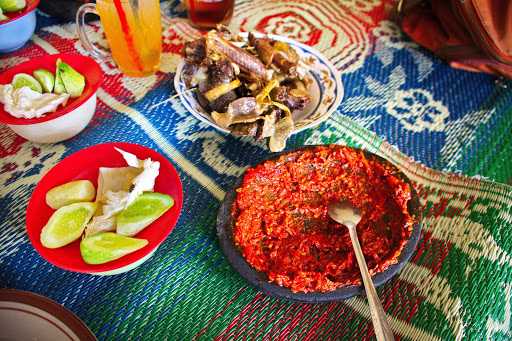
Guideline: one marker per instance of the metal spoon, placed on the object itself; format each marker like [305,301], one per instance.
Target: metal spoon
[345,214]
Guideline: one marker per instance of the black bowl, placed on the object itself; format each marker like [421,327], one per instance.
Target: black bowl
[259,280]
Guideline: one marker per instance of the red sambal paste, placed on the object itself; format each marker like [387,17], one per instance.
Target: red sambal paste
[282,227]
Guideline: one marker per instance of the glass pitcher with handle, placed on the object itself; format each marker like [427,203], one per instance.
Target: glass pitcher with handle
[133,30]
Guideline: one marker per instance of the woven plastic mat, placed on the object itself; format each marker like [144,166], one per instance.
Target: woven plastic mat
[458,283]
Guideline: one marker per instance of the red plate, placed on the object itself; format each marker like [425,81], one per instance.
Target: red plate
[85,65]
[84,164]
[31,6]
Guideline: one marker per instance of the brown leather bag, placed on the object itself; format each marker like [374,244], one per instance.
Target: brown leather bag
[474,35]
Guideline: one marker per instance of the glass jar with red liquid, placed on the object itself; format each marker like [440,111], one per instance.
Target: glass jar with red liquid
[210,13]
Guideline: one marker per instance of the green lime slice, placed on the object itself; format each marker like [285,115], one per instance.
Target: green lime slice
[70,193]
[108,246]
[12,5]
[67,224]
[59,85]
[73,81]
[46,78]
[143,211]
[23,79]
[2,16]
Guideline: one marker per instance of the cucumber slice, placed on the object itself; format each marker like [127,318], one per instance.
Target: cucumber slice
[12,5]
[23,79]
[67,224]
[59,85]
[46,78]
[108,246]
[73,81]
[143,211]
[2,16]
[70,193]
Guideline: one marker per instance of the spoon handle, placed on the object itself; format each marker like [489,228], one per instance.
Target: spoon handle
[380,324]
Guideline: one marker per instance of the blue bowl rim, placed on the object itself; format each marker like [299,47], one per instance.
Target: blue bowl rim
[26,11]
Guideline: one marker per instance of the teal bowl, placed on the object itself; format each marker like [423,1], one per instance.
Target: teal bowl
[17,30]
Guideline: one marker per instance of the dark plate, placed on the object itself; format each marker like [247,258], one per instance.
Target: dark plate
[29,316]
[259,280]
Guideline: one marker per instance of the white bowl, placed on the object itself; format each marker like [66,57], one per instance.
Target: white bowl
[60,128]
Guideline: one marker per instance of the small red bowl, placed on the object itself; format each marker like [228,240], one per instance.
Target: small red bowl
[67,121]
[84,164]
[85,65]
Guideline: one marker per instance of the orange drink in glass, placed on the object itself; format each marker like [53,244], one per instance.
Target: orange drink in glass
[133,30]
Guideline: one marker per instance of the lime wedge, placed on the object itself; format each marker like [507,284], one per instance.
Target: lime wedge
[67,224]
[73,81]
[70,193]
[143,211]
[46,78]
[2,16]
[12,5]
[108,246]
[23,79]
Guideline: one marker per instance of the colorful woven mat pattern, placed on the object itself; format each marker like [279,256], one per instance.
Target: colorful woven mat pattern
[459,282]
